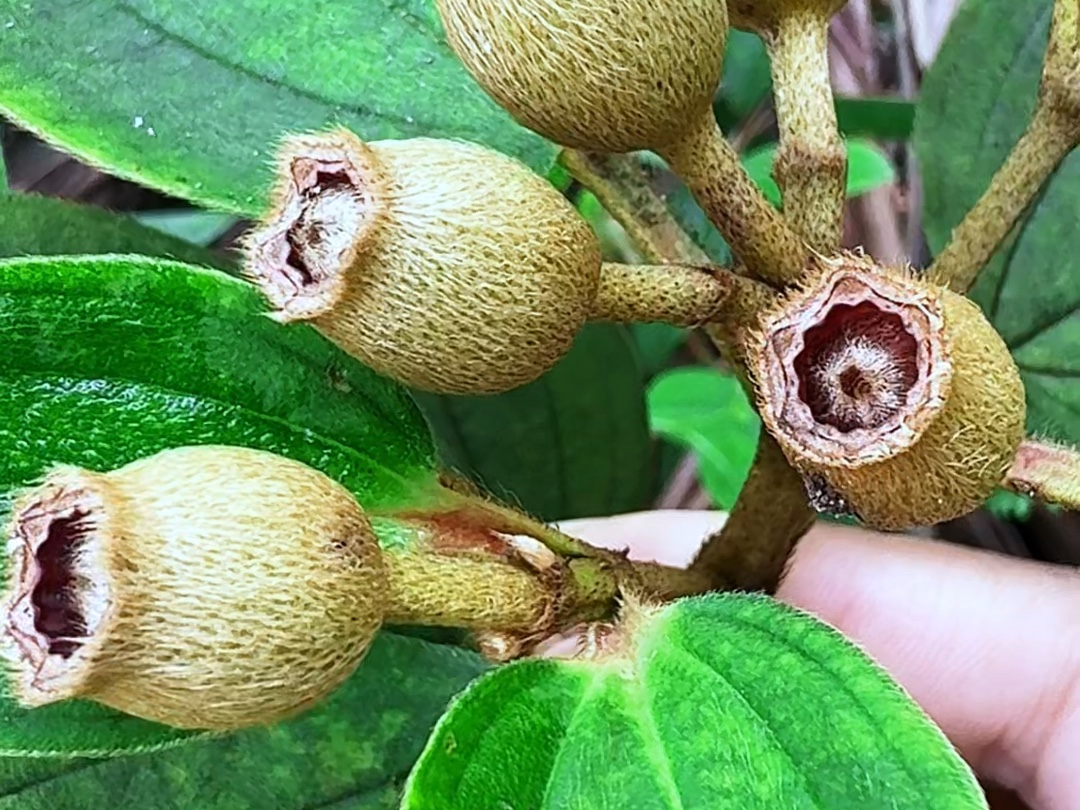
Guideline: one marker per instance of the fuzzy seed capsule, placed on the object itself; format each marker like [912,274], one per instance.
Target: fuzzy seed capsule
[443,264]
[204,587]
[764,15]
[895,398]
[603,75]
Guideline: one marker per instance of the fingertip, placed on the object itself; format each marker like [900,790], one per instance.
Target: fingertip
[986,644]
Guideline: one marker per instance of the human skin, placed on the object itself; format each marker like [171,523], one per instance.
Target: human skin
[988,645]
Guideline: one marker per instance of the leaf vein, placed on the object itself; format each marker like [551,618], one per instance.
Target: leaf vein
[405,122]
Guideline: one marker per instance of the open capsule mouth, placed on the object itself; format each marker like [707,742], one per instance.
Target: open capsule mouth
[323,219]
[857,366]
[58,617]
[55,602]
[855,369]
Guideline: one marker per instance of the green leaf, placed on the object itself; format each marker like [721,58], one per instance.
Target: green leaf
[707,411]
[190,224]
[575,443]
[159,354]
[868,169]
[886,119]
[1007,505]
[727,701]
[34,225]
[976,102]
[656,342]
[109,359]
[191,96]
[746,80]
[352,751]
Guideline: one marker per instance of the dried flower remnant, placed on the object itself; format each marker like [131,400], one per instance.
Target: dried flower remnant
[897,394]
[204,587]
[443,264]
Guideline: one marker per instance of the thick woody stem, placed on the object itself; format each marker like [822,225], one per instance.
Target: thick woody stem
[769,517]
[1049,138]
[757,234]
[681,295]
[1048,472]
[811,164]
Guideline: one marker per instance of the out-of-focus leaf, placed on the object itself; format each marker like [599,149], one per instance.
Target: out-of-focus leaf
[191,225]
[707,412]
[883,119]
[746,80]
[40,226]
[574,443]
[656,343]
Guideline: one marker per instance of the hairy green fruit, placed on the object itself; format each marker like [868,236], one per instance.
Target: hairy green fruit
[895,398]
[603,75]
[204,587]
[443,264]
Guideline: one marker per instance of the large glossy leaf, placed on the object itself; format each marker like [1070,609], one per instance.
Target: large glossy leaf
[353,751]
[976,102]
[190,96]
[109,359]
[575,443]
[728,701]
[157,354]
[33,225]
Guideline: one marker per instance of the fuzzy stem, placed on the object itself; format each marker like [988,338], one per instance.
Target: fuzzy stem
[757,234]
[428,588]
[680,295]
[1048,472]
[468,591]
[621,184]
[769,518]
[478,513]
[772,512]
[1060,86]
[1049,138]
[811,164]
